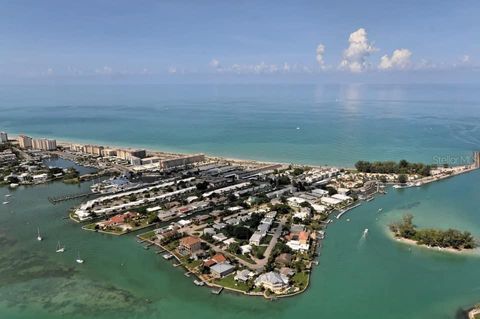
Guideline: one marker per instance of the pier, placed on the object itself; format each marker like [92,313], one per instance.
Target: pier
[58,199]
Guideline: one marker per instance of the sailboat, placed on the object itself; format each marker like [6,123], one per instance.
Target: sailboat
[79,260]
[60,249]
[39,238]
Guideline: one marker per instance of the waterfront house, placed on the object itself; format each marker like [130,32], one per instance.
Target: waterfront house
[221,270]
[243,275]
[273,281]
[216,259]
[189,245]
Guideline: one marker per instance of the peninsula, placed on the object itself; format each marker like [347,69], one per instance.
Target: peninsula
[246,226]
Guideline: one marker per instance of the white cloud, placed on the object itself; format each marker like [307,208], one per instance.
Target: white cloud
[466,59]
[320,52]
[359,49]
[215,64]
[399,60]
[172,70]
[106,70]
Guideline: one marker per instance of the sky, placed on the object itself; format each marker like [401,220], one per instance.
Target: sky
[201,41]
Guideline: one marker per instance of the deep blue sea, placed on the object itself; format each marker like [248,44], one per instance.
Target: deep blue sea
[312,124]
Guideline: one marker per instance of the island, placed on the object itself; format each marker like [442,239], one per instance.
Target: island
[449,239]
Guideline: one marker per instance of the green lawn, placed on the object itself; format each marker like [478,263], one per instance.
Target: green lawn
[229,282]
[90,226]
[148,235]
[300,279]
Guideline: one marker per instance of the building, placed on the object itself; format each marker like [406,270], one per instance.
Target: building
[256,238]
[476,157]
[221,270]
[273,281]
[3,137]
[189,245]
[126,154]
[25,141]
[182,161]
[44,144]
[93,149]
[7,156]
[109,152]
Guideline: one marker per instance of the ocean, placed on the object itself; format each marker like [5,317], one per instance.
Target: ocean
[324,124]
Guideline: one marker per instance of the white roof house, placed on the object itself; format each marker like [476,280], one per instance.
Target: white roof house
[256,238]
[273,281]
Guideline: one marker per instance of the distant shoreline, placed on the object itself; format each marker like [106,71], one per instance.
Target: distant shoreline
[62,142]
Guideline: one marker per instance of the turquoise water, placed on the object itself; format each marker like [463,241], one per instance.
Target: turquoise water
[336,124]
[373,278]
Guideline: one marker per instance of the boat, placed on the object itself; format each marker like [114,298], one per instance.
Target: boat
[13,185]
[380,209]
[8,195]
[5,203]
[167,256]
[79,260]
[60,249]
[365,232]
[39,238]
[418,184]
[198,282]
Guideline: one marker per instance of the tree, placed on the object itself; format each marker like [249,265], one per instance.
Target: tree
[402,178]
[234,248]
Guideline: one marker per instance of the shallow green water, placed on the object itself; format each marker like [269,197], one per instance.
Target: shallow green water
[357,278]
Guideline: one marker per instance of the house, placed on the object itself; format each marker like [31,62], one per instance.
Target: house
[221,270]
[217,259]
[209,231]
[117,220]
[284,259]
[256,238]
[189,245]
[295,201]
[243,275]
[246,249]
[299,241]
[166,235]
[273,281]
[219,237]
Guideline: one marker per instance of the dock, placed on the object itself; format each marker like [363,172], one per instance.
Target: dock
[346,210]
[217,291]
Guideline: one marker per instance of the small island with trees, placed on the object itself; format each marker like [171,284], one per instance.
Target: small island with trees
[450,239]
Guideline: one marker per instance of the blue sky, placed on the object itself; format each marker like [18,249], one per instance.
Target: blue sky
[228,40]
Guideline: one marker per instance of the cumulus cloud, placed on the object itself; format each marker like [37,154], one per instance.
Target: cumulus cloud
[399,60]
[359,49]
[320,52]
[215,64]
